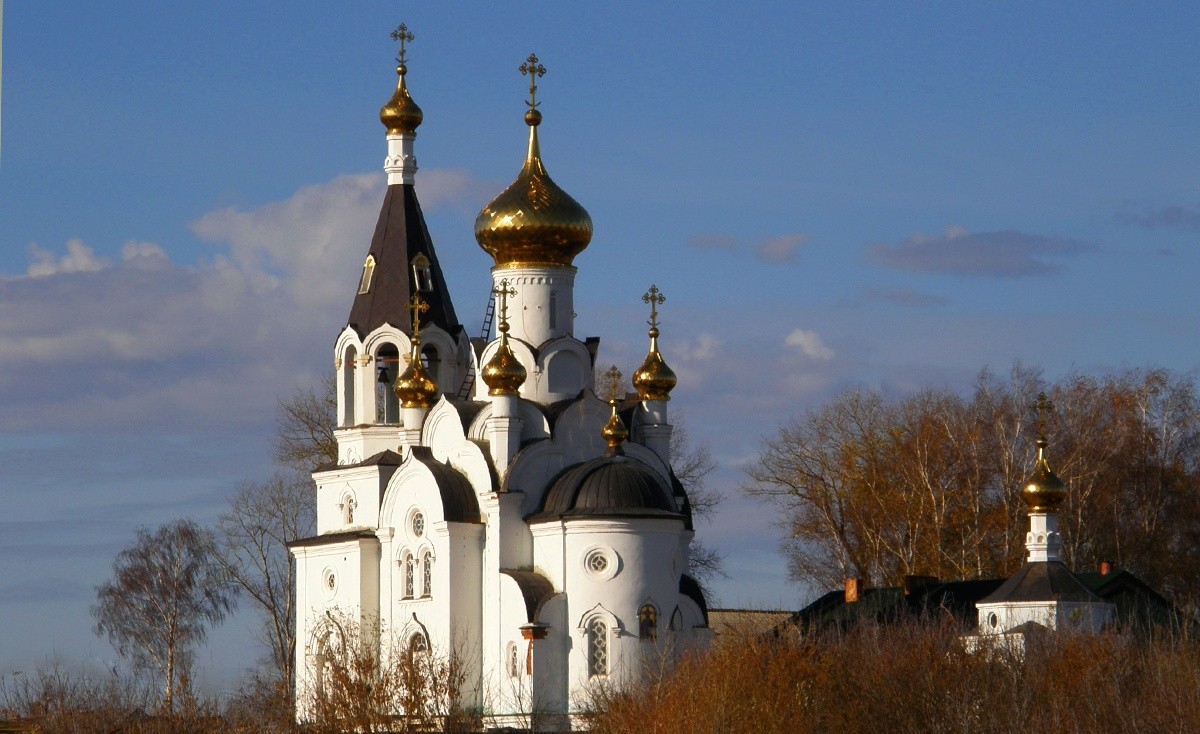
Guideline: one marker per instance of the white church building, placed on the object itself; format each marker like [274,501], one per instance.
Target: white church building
[485,501]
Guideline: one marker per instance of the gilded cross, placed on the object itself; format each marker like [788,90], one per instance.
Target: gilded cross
[612,377]
[503,292]
[1043,406]
[533,70]
[418,306]
[403,35]
[655,299]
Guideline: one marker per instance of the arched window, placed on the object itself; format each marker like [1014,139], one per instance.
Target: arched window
[597,648]
[426,574]
[410,573]
[514,661]
[347,506]
[648,623]
[348,364]
[417,644]
[387,405]
[676,620]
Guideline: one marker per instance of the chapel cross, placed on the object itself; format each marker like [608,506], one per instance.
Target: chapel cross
[1043,406]
[403,35]
[655,299]
[533,70]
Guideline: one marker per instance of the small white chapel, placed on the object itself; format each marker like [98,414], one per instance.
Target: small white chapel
[486,501]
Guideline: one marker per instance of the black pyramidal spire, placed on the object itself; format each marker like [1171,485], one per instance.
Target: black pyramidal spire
[400,239]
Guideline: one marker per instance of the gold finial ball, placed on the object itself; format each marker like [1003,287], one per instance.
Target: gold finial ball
[504,374]
[1044,492]
[414,388]
[401,115]
[533,118]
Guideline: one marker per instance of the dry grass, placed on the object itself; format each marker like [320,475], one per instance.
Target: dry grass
[919,678]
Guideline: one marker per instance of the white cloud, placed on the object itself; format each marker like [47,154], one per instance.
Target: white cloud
[810,344]
[79,258]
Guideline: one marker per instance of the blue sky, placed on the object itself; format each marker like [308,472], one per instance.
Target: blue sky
[888,195]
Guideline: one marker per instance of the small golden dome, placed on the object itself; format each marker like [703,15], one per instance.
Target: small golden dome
[415,388]
[401,115]
[504,374]
[533,221]
[614,432]
[654,380]
[1044,492]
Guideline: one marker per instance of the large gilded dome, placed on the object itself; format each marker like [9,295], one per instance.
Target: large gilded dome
[533,222]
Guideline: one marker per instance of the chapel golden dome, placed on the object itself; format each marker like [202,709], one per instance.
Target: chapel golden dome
[414,387]
[1044,492]
[614,433]
[401,115]
[533,222]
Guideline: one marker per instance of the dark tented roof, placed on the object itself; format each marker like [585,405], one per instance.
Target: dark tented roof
[458,498]
[535,588]
[399,236]
[1042,581]
[613,486]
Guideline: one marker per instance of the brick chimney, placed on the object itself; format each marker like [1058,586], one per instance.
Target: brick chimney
[1107,567]
[854,589]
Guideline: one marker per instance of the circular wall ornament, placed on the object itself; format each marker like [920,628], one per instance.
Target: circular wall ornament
[418,524]
[328,582]
[600,563]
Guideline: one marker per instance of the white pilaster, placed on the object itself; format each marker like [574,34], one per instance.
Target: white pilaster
[1043,542]
[504,432]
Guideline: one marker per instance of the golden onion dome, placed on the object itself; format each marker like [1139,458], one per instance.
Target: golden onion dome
[533,221]
[504,374]
[401,115]
[415,388]
[614,432]
[1044,492]
[654,380]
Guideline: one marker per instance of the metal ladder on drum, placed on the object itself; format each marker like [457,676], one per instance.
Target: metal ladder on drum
[464,391]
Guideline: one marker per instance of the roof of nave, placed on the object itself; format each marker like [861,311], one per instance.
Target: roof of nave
[535,589]
[400,236]
[610,486]
[331,538]
[383,458]
[1042,581]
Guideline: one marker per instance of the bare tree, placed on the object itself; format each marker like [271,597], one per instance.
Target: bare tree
[167,588]
[304,436]
[261,519]
[692,466]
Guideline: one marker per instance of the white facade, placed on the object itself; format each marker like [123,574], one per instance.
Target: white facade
[499,528]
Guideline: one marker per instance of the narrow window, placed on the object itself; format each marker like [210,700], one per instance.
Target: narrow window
[676,621]
[348,364]
[347,506]
[514,663]
[427,574]
[409,575]
[417,644]
[648,623]
[553,310]
[597,638]
[368,274]
[431,361]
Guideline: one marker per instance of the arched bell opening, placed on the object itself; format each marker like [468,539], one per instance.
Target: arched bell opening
[348,376]
[432,361]
[388,368]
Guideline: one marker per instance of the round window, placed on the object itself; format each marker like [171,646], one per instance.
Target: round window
[993,620]
[418,524]
[597,562]
[600,563]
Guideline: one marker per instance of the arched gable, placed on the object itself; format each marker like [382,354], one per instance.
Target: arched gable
[446,436]
[534,425]
[443,493]
[575,438]
[524,353]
